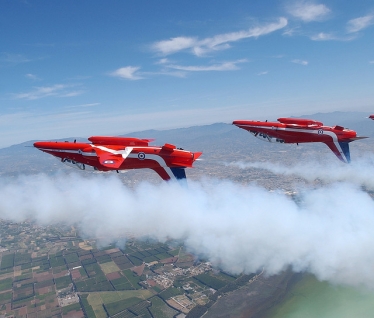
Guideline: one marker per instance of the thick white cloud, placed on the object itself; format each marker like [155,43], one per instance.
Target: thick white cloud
[217,42]
[358,24]
[239,228]
[308,11]
[359,172]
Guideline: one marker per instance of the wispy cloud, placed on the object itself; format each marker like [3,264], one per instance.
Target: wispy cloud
[167,72]
[331,37]
[218,42]
[371,62]
[11,58]
[5,119]
[358,24]
[291,31]
[163,61]
[83,105]
[58,90]
[262,73]
[323,37]
[32,77]
[225,66]
[127,72]
[71,93]
[301,62]
[308,11]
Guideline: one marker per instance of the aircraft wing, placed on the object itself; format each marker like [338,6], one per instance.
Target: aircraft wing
[340,149]
[109,160]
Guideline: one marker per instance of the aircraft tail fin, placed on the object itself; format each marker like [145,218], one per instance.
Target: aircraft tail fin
[345,148]
[167,173]
[196,155]
[179,173]
[341,150]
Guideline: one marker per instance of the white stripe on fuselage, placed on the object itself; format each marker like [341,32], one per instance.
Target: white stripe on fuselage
[308,131]
[124,152]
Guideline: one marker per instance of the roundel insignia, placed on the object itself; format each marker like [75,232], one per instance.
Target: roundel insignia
[320,131]
[141,155]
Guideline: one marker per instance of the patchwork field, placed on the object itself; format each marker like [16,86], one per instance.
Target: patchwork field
[62,277]
[109,267]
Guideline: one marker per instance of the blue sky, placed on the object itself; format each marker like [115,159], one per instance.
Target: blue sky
[81,68]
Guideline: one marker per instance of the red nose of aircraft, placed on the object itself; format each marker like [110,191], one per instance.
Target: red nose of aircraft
[41,144]
[55,145]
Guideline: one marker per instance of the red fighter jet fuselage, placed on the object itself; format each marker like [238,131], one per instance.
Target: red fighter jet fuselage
[300,130]
[122,153]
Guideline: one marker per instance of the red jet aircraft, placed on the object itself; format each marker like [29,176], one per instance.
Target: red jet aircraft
[122,153]
[371,117]
[298,130]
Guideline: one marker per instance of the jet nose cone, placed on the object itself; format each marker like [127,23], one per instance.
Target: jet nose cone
[239,123]
[39,144]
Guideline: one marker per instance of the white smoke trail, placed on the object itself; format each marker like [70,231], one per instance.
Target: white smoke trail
[359,172]
[239,228]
